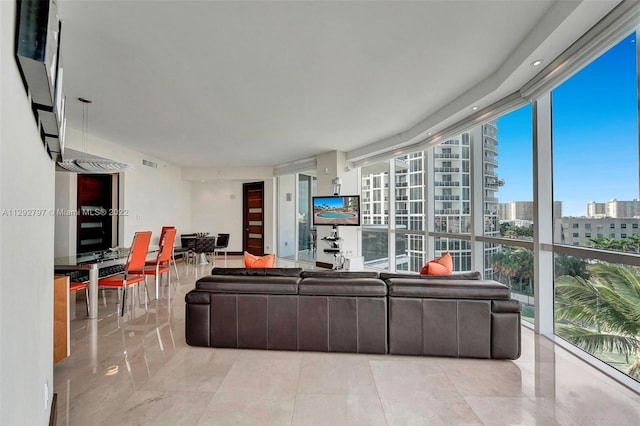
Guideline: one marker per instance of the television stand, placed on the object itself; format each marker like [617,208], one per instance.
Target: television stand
[332,250]
[334,242]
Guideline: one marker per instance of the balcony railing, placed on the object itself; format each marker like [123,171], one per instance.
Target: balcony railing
[401,184]
[446,197]
[447,211]
[491,147]
[446,155]
[491,199]
[446,183]
[490,160]
[447,169]
[451,142]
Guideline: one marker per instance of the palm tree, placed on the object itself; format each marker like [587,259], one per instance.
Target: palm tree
[606,243]
[603,311]
[524,259]
[570,265]
[632,244]
[513,264]
[505,264]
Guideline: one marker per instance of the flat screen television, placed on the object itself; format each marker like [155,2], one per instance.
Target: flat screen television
[334,210]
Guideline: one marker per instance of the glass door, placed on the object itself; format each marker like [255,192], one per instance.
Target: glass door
[307,187]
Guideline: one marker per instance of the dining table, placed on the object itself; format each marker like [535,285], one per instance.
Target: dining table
[90,266]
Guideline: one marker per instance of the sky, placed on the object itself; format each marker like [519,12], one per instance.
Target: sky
[595,136]
[332,202]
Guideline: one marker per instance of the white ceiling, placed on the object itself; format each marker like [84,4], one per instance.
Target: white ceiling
[209,83]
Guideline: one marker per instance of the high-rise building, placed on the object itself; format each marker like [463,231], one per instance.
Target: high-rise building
[409,173]
[579,231]
[451,186]
[519,211]
[614,209]
[452,198]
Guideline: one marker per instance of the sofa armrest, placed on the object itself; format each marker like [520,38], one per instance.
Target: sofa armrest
[197,318]
[506,306]
[505,329]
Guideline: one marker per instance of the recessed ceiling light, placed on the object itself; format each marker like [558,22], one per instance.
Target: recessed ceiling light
[202,181]
[536,62]
[475,108]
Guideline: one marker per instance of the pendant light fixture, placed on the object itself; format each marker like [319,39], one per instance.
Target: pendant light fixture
[91,165]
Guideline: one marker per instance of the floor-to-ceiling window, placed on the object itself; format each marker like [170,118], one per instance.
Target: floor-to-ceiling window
[450,172]
[375,215]
[508,208]
[307,242]
[544,197]
[409,212]
[597,237]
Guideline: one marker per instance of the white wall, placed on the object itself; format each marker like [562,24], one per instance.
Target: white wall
[217,208]
[287,212]
[269,215]
[151,197]
[66,199]
[26,249]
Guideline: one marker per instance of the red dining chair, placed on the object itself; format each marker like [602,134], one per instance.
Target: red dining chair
[160,265]
[81,286]
[172,260]
[135,260]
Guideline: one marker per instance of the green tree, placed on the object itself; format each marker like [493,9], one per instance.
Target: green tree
[508,230]
[606,243]
[570,265]
[603,311]
[524,275]
[632,244]
[504,264]
[514,265]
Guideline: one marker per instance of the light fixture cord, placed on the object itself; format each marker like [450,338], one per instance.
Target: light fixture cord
[85,129]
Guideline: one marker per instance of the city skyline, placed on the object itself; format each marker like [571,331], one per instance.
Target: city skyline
[595,136]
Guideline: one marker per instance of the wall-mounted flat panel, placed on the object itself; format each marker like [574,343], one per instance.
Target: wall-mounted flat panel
[37,48]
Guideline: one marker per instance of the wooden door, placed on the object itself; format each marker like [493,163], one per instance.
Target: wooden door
[253,214]
[94,213]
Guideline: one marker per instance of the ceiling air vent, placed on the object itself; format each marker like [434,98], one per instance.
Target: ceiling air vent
[149,164]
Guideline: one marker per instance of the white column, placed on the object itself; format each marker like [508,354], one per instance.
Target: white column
[543,215]
[477,197]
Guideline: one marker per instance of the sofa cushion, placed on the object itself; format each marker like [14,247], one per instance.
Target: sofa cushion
[461,276]
[255,284]
[442,265]
[447,289]
[253,261]
[338,274]
[258,272]
[323,286]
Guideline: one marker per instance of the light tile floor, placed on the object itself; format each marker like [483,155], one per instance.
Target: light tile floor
[138,370]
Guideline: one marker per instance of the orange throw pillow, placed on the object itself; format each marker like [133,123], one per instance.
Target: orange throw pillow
[439,266]
[253,261]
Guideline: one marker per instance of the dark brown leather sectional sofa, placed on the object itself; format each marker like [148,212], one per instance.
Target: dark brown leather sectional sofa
[361,312]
